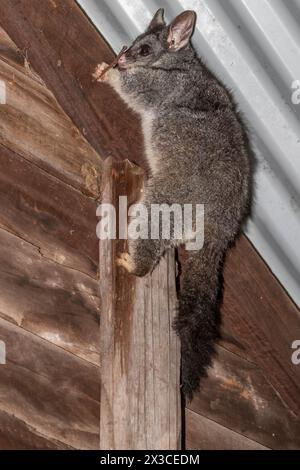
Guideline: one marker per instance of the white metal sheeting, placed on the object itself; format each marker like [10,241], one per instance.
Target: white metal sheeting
[254,47]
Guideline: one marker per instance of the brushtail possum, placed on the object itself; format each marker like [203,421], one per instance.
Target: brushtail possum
[198,153]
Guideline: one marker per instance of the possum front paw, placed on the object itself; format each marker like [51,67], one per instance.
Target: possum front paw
[100,75]
[126,261]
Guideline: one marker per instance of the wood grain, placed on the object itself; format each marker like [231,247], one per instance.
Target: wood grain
[15,434]
[33,125]
[254,391]
[49,302]
[9,51]
[204,434]
[47,213]
[140,399]
[264,319]
[40,206]
[59,304]
[237,395]
[47,392]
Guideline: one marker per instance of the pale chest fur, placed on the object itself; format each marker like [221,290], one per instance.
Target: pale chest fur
[147,128]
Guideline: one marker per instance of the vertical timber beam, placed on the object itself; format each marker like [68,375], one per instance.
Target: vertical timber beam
[140,353]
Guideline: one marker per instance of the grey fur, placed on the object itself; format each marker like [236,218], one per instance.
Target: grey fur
[198,153]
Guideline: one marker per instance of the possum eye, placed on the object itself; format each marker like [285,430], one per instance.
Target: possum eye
[145,50]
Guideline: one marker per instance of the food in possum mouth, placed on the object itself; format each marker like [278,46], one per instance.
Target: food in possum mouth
[100,71]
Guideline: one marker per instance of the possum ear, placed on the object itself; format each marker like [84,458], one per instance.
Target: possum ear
[157,20]
[181,30]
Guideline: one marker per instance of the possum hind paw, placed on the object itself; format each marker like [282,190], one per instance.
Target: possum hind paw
[126,262]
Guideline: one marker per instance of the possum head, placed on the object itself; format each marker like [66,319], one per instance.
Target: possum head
[147,67]
[159,40]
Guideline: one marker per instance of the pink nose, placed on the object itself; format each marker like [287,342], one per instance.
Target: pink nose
[122,60]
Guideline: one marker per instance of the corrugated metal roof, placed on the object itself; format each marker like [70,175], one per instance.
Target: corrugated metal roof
[254,47]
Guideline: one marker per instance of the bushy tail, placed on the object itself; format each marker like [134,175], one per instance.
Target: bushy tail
[197,323]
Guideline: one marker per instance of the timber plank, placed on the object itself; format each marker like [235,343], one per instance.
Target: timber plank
[263,318]
[53,392]
[140,353]
[57,219]
[33,125]
[54,302]
[9,51]
[204,434]
[236,395]
[17,435]
[66,63]
[230,342]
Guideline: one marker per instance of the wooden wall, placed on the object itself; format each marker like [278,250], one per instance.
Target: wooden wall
[251,396]
[49,300]
[49,311]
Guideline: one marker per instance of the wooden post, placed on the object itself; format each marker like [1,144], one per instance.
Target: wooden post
[140,354]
